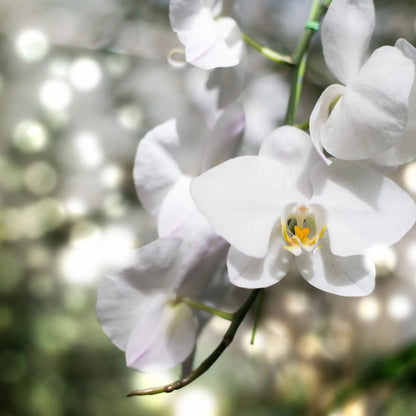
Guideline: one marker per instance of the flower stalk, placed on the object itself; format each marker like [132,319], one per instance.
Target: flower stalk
[267,52]
[238,317]
[194,304]
[300,57]
[257,313]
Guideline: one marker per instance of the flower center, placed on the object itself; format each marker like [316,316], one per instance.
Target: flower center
[302,227]
[302,234]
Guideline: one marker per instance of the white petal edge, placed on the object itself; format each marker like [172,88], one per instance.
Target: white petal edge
[164,154]
[364,207]
[320,114]
[251,273]
[242,199]
[213,44]
[228,82]
[177,208]
[407,48]
[201,250]
[346,32]
[225,138]
[293,148]
[344,276]
[162,339]
[404,150]
[371,115]
[121,294]
[182,14]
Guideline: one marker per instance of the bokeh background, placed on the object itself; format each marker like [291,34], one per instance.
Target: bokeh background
[81,81]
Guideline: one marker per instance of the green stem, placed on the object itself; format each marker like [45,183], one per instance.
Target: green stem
[317,10]
[295,90]
[256,316]
[238,317]
[303,126]
[267,52]
[300,56]
[194,304]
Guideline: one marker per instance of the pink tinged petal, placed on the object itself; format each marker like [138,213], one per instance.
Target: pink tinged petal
[404,150]
[364,207]
[344,276]
[346,32]
[218,286]
[177,208]
[162,338]
[242,199]
[202,250]
[164,155]
[320,115]
[214,43]
[250,272]
[203,258]
[225,138]
[371,115]
[293,148]
[122,294]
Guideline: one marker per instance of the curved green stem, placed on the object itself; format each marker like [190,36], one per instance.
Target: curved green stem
[238,317]
[194,304]
[256,316]
[317,10]
[267,52]
[295,90]
[300,56]
[303,126]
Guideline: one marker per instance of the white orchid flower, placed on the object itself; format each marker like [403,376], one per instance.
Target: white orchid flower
[174,152]
[287,204]
[210,41]
[366,115]
[139,307]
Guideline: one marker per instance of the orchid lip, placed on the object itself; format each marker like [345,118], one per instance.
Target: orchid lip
[302,227]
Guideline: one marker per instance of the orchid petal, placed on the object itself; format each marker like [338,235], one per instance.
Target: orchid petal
[177,208]
[216,6]
[225,137]
[344,276]
[210,42]
[402,152]
[203,258]
[214,44]
[228,82]
[202,250]
[346,32]
[320,114]
[164,154]
[407,48]
[364,207]
[250,272]
[293,148]
[162,338]
[242,199]
[122,293]
[405,150]
[182,14]
[370,116]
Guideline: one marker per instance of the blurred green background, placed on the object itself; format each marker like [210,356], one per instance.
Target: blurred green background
[81,81]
